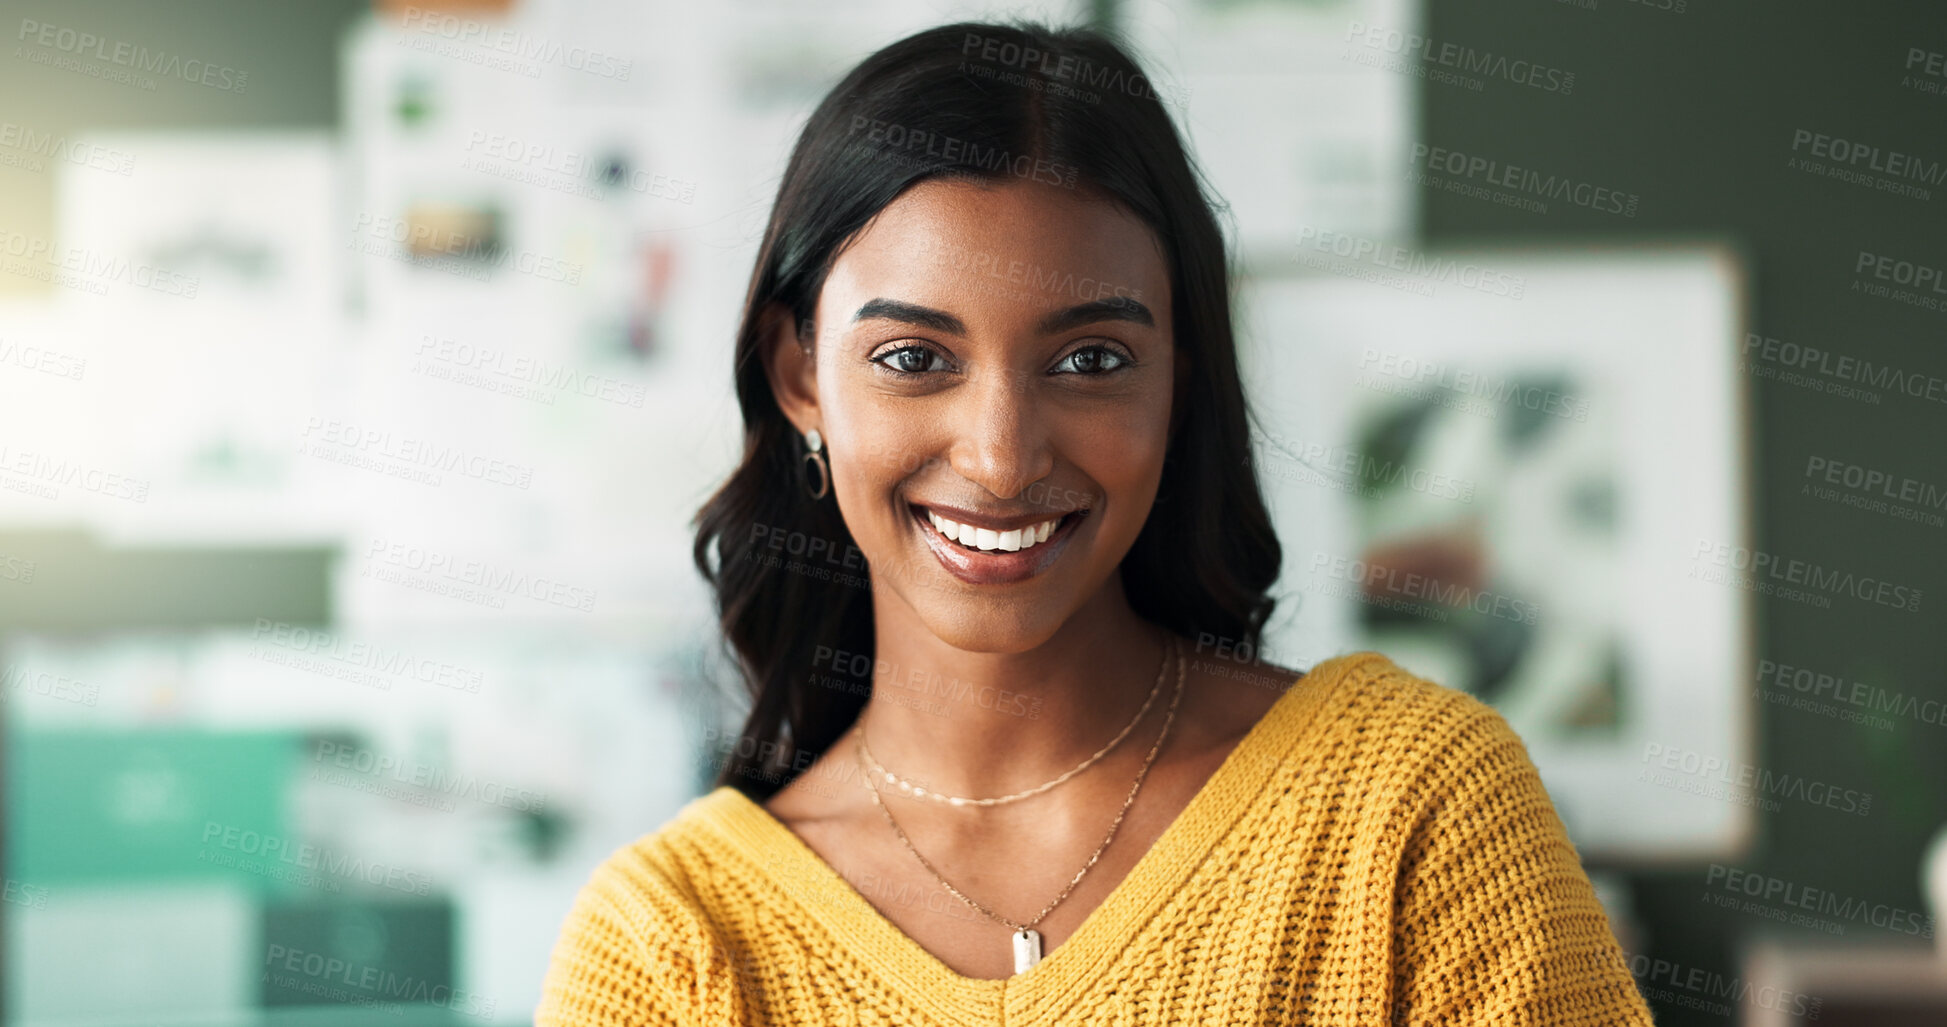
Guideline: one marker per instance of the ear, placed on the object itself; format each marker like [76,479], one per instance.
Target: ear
[790,368]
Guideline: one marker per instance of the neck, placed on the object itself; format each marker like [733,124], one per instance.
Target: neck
[990,723]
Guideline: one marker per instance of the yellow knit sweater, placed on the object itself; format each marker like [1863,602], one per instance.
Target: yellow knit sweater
[1377,850]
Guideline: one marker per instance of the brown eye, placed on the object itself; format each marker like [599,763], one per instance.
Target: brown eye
[907,360]
[1093,360]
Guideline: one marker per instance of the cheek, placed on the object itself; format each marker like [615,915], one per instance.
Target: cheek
[874,443]
[1130,436]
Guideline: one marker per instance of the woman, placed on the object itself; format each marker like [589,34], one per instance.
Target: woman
[987,564]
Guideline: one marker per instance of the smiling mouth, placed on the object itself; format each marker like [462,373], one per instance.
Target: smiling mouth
[986,540]
[984,557]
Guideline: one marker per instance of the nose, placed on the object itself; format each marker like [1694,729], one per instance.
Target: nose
[1000,437]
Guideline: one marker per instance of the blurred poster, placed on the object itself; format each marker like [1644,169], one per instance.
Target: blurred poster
[1289,116]
[1496,466]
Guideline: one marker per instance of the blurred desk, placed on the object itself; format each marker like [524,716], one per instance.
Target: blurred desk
[1881,984]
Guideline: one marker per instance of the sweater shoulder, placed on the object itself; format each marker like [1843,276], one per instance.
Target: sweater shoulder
[1381,713]
[638,946]
[647,886]
[1373,692]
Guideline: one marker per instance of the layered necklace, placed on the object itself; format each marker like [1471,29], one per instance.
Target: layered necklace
[1027,940]
[919,792]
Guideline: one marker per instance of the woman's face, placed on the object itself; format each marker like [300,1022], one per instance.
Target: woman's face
[1000,356]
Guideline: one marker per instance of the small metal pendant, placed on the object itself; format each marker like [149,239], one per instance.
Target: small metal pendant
[1027,949]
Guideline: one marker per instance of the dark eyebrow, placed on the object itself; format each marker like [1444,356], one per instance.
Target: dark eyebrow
[1114,308]
[910,313]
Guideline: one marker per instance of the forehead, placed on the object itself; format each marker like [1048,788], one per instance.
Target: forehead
[999,250]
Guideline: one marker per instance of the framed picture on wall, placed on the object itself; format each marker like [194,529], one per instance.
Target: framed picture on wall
[1512,470]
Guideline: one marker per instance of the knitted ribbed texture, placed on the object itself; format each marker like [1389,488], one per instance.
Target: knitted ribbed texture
[1377,850]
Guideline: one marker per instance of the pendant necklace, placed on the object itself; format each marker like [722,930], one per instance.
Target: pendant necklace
[1027,940]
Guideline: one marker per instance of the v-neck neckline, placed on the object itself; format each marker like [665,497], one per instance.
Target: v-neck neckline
[796,869]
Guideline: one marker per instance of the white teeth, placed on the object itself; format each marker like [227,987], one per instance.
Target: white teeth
[987,539]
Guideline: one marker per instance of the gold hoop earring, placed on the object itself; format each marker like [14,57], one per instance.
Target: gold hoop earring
[815,442]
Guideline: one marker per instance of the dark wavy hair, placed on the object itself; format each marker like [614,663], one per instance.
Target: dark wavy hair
[971,100]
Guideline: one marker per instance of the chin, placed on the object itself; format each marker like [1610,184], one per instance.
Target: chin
[976,626]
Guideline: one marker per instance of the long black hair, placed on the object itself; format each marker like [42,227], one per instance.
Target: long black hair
[980,101]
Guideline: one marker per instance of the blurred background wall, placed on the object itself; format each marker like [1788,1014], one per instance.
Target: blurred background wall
[357,381]
[1700,109]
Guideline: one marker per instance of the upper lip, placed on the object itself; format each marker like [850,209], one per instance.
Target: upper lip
[994,522]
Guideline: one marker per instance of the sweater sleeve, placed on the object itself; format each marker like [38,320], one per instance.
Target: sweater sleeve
[619,961]
[1495,922]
